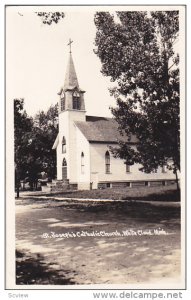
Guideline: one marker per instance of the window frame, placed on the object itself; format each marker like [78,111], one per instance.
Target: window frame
[63,145]
[164,169]
[82,163]
[64,162]
[128,168]
[107,162]
[76,103]
[62,101]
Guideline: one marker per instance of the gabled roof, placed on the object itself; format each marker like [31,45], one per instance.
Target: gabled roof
[56,142]
[102,130]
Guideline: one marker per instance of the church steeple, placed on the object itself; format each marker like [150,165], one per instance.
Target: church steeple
[71,96]
[71,80]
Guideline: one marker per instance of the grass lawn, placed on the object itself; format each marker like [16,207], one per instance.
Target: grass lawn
[158,193]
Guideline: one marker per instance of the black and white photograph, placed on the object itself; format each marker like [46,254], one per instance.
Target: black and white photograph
[95,147]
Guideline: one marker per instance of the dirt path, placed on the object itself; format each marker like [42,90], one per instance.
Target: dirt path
[101,243]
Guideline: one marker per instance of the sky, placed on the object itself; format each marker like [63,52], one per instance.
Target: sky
[37,55]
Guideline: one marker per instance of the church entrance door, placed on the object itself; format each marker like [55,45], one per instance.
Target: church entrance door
[64,169]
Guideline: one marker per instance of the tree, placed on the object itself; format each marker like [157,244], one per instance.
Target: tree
[33,144]
[137,52]
[22,135]
[45,131]
[49,17]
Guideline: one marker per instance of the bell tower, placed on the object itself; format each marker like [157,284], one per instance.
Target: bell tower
[71,96]
[71,109]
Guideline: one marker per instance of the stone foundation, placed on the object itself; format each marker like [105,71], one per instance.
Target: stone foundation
[60,185]
[104,185]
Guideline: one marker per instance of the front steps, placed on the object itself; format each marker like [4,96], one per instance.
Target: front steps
[56,185]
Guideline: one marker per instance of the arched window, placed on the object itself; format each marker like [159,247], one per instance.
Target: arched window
[76,100]
[64,163]
[82,163]
[63,145]
[107,162]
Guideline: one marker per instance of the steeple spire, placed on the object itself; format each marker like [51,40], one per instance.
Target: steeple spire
[71,80]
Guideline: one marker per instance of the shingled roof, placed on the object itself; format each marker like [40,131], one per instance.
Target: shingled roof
[100,129]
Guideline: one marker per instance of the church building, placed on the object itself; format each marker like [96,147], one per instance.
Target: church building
[84,160]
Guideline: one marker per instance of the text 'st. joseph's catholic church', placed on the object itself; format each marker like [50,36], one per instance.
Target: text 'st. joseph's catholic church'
[83,143]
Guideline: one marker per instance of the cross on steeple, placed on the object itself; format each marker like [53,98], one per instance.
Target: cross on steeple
[69,44]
